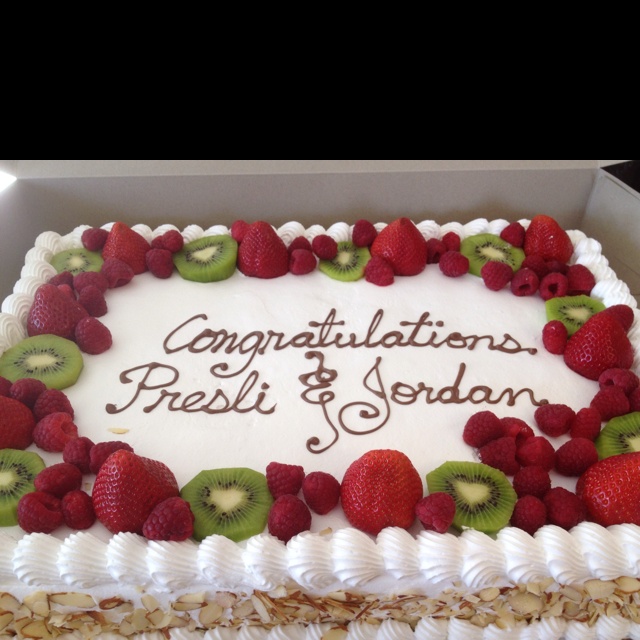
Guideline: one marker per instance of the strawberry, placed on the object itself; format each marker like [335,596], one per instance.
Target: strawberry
[546,238]
[262,253]
[600,344]
[54,312]
[402,244]
[128,487]
[381,489]
[610,489]
[16,424]
[127,245]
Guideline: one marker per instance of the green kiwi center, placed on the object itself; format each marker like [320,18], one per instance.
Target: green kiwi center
[226,500]
[203,255]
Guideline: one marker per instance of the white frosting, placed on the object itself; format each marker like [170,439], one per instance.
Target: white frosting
[347,558]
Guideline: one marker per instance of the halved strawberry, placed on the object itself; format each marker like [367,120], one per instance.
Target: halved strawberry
[545,237]
[127,245]
[403,246]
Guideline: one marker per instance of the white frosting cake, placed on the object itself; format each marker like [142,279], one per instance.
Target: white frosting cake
[236,373]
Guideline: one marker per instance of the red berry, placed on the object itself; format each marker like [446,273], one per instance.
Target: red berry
[364,233]
[436,511]
[379,272]
[622,313]
[536,451]
[238,230]
[76,452]
[117,272]
[92,336]
[102,450]
[435,250]
[93,239]
[58,479]
[482,427]
[451,241]
[545,237]
[554,337]
[496,275]
[564,508]
[62,278]
[171,240]
[525,282]
[5,385]
[623,378]
[77,510]
[301,262]
[554,419]
[171,519]
[90,278]
[516,428]
[93,301]
[575,456]
[513,234]
[160,262]
[532,481]
[536,263]
[586,424]
[284,478]
[321,491]
[500,454]
[299,242]
[634,400]
[558,266]
[16,424]
[27,390]
[52,432]
[553,285]
[325,247]
[529,514]
[39,512]
[402,244]
[52,401]
[288,517]
[127,245]
[611,402]
[581,280]
[262,253]
[453,264]
[52,311]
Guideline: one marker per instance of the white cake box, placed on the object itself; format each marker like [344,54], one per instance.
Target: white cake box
[60,194]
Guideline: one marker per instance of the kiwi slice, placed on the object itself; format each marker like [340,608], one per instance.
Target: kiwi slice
[349,263]
[54,360]
[76,261]
[486,247]
[484,496]
[207,259]
[17,472]
[572,311]
[231,502]
[619,435]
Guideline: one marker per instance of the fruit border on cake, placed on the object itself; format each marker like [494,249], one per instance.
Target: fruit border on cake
[69,292]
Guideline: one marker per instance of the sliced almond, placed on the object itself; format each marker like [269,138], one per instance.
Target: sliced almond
[600,589]
[6,618]
[209,614]
[38,603]
[628,585]
[73,599]
[489,594]
[525,603]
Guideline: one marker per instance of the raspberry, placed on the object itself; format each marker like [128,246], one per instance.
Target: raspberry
[159,262]
[436,511]
[581,280]
[58,479]
[532,481]
[52,401]
[93,300]
[27,390]
[529,514]
[117,272]
[435,250]
[325,247]
[284,478]
[64,277]
[92,336]
[564,508]
[623,313]
[451,241]
[39,512]
[575,456]
[90,278]
[586,424]
[321,491]
[238,229]
[299,242]
[482,427]
[554,419]
[171,240]
[76,452]
[516,428]
[611,402]
[554,337]
[557,266]
[288,517]
[623,378]
[93,239]
[363,234]
[54,431]
[77,510]
[514,234]
[536,451]
[500,454]
[68,291]
[496,275]
[379,271]
[453,264]
[525,282]
[301,262]
[536,263]
[634,400]
[5,385]
[554,285]
[102,450]
[170,519]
